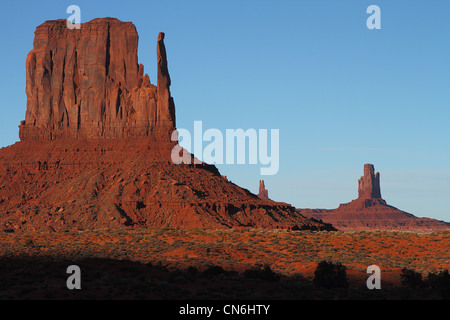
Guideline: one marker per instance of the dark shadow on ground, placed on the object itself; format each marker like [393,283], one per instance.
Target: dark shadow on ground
[107,279]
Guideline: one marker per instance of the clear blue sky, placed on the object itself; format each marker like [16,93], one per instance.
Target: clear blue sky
[340,94]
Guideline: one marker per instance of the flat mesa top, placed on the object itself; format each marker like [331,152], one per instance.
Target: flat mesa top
[96,20]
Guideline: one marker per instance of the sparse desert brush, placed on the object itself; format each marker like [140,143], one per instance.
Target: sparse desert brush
[28,243]
[440,282]
[426,253]
[411,278]
[261,271]
[330,275]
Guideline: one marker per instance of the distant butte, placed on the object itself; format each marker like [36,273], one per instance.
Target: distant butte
[263,193]
[95,149]
[369,184]
[370,212]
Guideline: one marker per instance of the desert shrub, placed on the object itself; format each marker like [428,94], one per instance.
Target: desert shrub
[177,276]
[29,242]
[214,271]
[261,272]
[411,278]
[440,283]
[192,270]
[330,275]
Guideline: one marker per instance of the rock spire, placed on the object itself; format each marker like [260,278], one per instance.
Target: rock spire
[369,184]
[263,192]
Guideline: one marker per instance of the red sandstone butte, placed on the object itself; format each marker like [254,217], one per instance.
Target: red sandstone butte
[370,212]
[88,83]
[95,149]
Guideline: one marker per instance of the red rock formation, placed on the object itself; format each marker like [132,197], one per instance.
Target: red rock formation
[95,149]
[88,83]
[116,183]
[371,212]
[369,184]
[166,109]
[263,192]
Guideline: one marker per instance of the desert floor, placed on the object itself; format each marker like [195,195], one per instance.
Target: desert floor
[164,263]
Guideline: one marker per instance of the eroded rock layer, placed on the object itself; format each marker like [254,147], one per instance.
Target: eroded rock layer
[115,183]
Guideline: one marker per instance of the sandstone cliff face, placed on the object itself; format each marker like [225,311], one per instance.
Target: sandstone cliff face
[88,83]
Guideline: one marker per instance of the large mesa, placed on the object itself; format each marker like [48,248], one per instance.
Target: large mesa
[87,83]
